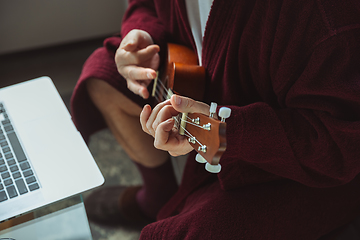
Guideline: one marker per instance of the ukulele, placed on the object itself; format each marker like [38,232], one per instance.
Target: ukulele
[206,134]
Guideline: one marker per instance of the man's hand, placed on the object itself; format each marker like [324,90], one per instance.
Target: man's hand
[160,124]
[137,60]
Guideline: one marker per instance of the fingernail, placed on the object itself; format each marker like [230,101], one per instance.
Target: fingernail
[177,100]
[149,75]
[146,107]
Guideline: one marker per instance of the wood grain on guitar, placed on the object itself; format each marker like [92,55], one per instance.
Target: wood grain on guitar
[182,75]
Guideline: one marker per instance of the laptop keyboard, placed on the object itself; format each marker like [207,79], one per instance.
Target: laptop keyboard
[17,177]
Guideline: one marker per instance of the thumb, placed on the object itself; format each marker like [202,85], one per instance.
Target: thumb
[136,40]
[130,46]
[184,104]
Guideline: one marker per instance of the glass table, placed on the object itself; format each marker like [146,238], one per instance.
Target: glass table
[64,220]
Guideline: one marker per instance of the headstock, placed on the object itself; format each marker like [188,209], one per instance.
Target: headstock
[207,135]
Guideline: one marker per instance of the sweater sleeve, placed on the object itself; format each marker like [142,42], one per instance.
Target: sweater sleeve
[142,14]
[314,137]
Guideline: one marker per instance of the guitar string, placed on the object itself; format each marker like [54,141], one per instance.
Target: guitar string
[157,91]
[176,118]
[165,92]
[165,96]
[168,91]
[196,125]
[190,122]
[158,94]
[189,134]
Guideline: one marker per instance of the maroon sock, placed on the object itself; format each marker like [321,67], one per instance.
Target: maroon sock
[159,184]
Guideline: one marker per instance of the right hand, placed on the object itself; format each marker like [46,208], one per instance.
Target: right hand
[137,60]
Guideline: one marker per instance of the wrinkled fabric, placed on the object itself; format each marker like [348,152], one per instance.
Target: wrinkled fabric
[290,72]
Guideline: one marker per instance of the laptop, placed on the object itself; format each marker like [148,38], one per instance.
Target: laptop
[43,157]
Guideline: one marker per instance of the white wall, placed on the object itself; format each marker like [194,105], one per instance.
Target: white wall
[28,24]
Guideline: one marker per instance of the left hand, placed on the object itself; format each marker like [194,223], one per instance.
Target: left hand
[160,124]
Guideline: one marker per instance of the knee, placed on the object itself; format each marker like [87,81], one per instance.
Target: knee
[101,93]
[109,100]
[97,89]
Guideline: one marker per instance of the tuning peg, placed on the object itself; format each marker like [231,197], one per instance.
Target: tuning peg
[213,168]
[213,107]
[224,113]
[200,159]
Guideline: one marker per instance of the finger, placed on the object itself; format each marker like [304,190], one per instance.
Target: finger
[169,140]
[184,104]
[144,116]
[132,47]
[162,135]
[133,72]
[138,57]
[136,39]
[129,46]
[141,55]
[139,88]
[154,115]
[164,113]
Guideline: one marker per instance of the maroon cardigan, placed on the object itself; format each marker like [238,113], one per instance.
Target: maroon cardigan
[290,72]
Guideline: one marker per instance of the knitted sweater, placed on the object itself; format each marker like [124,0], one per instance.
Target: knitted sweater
[290,72]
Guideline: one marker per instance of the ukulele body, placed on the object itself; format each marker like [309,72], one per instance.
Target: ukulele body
[182,74]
